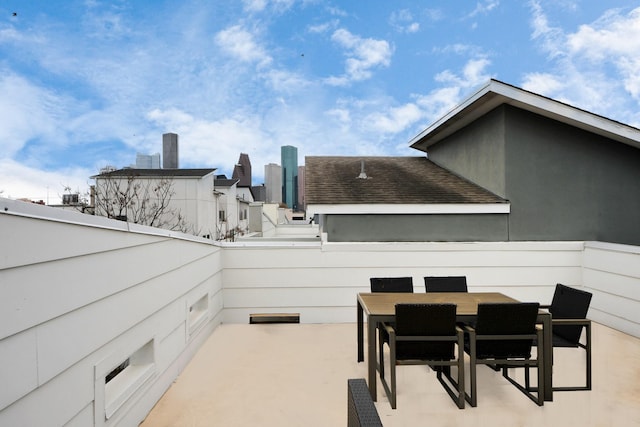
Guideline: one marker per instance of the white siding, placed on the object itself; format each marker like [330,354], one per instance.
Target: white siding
[74,296]
[80,294]
[612,274]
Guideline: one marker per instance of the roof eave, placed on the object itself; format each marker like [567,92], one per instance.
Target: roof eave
[409,209]
[496,93]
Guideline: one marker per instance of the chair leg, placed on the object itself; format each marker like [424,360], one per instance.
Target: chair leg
[381,351]
[472,399]
[461,396]
[588,350]
[390,390]
[392,400]
[540,368]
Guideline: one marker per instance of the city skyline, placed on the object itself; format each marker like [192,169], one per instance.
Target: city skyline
[90,84]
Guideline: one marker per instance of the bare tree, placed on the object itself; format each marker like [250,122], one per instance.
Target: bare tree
[141,201]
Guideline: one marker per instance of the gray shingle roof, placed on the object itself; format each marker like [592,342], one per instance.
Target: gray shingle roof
[157,172]
[390,180]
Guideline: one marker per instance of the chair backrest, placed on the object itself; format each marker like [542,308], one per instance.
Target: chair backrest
[445,283]
[505,319]
[391,284]
[361,411]
[425,320]
[569,303]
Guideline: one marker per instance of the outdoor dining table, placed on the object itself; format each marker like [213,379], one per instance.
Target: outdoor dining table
[380,307]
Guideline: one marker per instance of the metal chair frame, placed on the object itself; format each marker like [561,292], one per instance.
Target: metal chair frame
[442,367]
[496,361]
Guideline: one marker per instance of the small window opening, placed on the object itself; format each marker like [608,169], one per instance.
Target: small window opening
[121,367]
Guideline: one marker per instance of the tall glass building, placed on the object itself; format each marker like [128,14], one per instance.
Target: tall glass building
[289,162]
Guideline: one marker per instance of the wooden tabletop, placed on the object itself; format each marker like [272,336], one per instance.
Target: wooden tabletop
[383,304]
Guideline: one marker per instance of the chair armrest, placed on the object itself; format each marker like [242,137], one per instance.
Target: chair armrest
[389,328]
[574,322]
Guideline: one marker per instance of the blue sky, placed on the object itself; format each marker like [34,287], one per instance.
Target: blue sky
[85,84]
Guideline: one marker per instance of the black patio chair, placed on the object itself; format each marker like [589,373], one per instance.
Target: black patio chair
[361,411]
[569,309]
[502,338]
[445,284]
[389,284]
[426,334]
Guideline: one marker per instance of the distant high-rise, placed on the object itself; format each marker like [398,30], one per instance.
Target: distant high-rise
[147,161]
[301,205]
[273,183]
[242,171]
[289,161]
[170,151]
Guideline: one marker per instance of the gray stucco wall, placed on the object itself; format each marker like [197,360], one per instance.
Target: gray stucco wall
[568,184]
[477,152]
[563,183]
[416,228]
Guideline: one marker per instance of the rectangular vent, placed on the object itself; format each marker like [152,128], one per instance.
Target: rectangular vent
[274,318]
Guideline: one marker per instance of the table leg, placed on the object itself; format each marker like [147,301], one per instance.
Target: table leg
[547,337]
[360,332]
[371,356]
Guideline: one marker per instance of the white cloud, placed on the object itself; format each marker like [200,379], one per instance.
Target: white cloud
[403,21]
[363,54]
[593,68]
[27,112]
[613,39]
[473,74]
[395,119]
[18,181]
[241,44]
[551,38]
[322,28]
[484,7]
[261,5]
[542,83]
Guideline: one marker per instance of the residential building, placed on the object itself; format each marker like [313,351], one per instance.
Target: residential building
[399,199]
[232,206]
[557,172]
[289,161]
[177,199]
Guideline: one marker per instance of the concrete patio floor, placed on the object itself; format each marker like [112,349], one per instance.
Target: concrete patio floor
[296,375]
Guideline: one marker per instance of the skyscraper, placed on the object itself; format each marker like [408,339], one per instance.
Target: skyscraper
[273,183]
[148,161]
[301,202]
[289,161]
[170,151]
[242,171]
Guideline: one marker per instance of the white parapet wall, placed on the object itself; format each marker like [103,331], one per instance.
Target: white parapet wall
[612,274]
[321,280]
[84,299]
[82,295]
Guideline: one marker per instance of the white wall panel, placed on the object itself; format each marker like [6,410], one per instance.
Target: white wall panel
[621,259]
[54,402]
[612,274]
[18,366]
